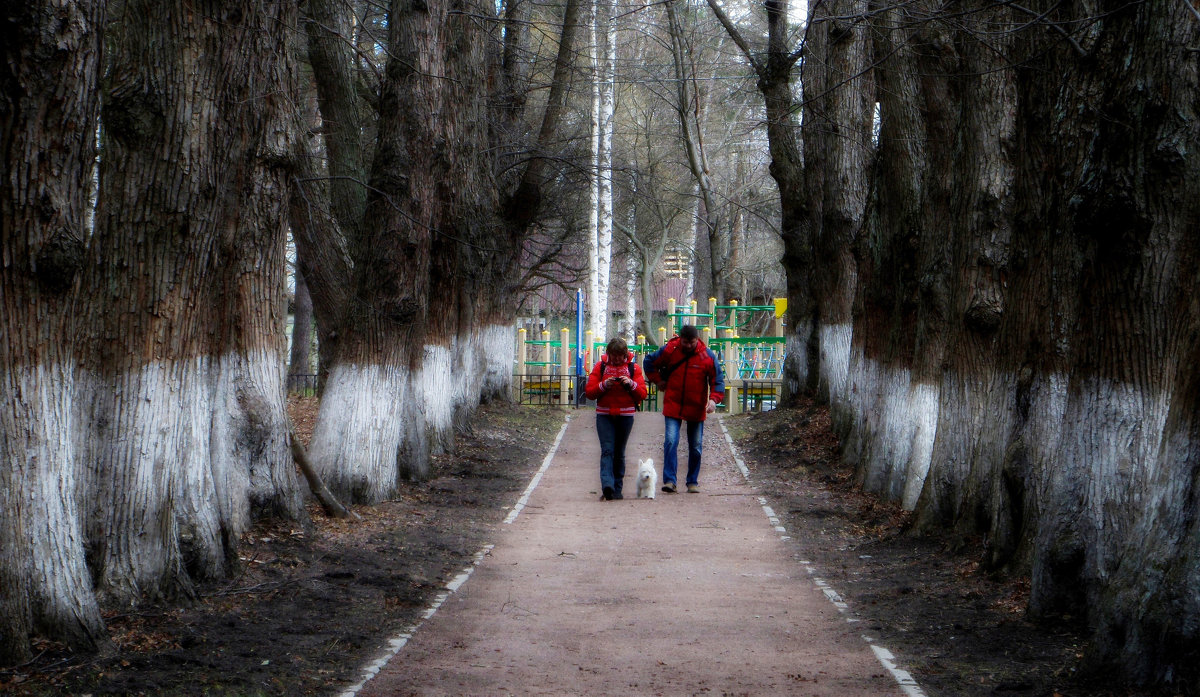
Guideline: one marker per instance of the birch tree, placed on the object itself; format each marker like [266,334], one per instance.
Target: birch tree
[600,213]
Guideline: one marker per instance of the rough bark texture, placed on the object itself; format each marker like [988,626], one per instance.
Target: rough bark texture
[183,416]
[1114,490]
[300,359]
[49,67]
[839,105]
[1026,325]
[774,69]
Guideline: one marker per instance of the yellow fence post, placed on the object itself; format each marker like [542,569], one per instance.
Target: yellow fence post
[544,369]
[662,336]
[565,360]
[731,376]
[522,357]
[733,318]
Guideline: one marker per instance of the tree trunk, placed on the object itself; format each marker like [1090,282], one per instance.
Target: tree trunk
[184,414]
[975,414]
[902,311]
[50,68]
[1108,292]
[711,253]
[300,360]
[368,411]
[774,69]
[837,130]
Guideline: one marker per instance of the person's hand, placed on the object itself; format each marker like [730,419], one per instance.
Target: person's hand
[712,406]
[609,382]
[627,382]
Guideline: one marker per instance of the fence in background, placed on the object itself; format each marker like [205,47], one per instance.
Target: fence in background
[302,384]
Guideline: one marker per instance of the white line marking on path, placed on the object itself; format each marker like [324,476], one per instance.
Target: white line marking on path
[903,678]
[398,642]
[512,515]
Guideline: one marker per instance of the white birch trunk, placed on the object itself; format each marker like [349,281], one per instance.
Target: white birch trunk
[631,319]
[594,199]
[604,229]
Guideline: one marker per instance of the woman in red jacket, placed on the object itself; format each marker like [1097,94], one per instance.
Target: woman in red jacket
[618,386]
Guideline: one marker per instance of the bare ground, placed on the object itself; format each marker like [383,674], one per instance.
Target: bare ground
[311,604]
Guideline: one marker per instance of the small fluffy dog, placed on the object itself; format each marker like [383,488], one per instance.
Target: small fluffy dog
[647,478]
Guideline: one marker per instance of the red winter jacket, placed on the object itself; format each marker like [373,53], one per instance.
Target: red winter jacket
[691,382]
[619,399]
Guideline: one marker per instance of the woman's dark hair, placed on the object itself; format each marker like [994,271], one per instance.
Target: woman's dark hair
[617,345]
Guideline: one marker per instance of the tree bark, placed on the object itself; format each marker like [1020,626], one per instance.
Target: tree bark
[50,67]
[1106,288]
[838,102]
[184,414]
[774,70]
[300,360]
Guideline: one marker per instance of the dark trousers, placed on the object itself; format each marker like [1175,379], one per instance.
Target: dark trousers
[613,430]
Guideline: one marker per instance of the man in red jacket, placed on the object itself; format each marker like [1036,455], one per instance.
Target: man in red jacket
[692,383]
[618,387]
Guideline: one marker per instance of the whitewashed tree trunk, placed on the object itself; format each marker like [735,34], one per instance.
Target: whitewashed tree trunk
[499,356]
[436,388]
[182,406]
[47,585]
[359,430]
[50,65]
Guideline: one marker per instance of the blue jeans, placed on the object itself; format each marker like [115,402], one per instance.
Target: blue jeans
[695,436]
[613,430]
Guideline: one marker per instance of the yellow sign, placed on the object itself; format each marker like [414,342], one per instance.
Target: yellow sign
[780,306]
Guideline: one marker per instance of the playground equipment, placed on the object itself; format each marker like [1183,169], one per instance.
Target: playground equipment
[753,365]
[546,373]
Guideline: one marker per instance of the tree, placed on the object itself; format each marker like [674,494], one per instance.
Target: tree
[181,402]
[300,358]
[710,264]
[773,66]
[1024,327]
[48,110]
[434,249]
[1101,305]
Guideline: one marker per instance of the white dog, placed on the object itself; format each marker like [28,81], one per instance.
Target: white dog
[647,479]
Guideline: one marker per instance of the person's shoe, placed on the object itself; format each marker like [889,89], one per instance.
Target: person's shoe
[608,493]
[618,496]
[693,488]
[669,487]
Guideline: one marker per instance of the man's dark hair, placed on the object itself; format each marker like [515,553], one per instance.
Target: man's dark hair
[688,331]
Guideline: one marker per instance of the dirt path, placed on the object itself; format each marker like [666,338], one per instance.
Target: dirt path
[685,594]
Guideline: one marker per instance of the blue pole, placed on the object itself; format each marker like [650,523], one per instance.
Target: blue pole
[578,347]
[579,332]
